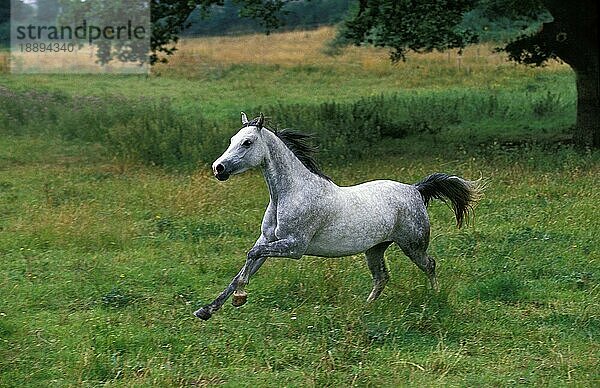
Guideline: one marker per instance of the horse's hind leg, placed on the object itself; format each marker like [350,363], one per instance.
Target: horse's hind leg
[425,262]
[376,265]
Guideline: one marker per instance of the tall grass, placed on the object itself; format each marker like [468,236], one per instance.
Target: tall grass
[298,48]
[138,130]
[350,130]
[160,135]
[155,132]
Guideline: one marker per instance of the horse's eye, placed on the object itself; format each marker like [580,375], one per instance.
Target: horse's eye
[247,143]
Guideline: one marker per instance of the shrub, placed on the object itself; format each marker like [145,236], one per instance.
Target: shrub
[350,130]
[546,105]
[162,136]
[140,130]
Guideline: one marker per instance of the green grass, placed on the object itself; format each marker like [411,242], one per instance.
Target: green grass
[104,255]
[219,93]
[103,264]
[159,131]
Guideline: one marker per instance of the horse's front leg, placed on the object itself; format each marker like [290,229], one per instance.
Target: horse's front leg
[250,267]
[240,296]
[207,311]
[291,248]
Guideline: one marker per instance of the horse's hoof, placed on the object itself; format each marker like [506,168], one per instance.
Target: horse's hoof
[239,299]
[203,314]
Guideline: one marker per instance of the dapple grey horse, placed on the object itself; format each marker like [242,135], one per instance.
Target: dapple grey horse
[308,214]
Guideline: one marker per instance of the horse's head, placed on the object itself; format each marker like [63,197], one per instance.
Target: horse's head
[246,149]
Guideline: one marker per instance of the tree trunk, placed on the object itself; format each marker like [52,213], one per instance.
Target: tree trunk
[573,37]
[587,126]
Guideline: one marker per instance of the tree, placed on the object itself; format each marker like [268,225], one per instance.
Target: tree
[101,15]
[225,19]
[47,10]
[413,25]
[571,36]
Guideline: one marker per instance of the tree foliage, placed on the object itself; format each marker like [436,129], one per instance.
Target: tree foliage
[5,16]
[102,13]
[226,19]
[410,25]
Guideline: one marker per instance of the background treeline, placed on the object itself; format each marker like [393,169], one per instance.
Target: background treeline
[46,11]
[226,19]
[297,15]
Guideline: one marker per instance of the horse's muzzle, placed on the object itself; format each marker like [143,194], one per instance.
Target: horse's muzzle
[220,172]
[222,176]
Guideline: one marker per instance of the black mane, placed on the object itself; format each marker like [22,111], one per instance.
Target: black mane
[299,143]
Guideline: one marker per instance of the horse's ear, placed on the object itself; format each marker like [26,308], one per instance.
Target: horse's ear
[261,121]
[244,119]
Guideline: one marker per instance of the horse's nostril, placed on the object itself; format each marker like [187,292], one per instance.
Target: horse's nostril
[220,168]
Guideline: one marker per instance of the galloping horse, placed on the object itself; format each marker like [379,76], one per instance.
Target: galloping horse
[308,214]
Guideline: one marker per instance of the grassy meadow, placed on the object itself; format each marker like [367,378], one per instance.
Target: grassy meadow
[113,230]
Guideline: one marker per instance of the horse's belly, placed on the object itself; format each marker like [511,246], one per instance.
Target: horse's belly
[344,239]
[338,249]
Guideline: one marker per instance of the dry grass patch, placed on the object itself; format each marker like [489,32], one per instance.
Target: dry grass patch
[301,48]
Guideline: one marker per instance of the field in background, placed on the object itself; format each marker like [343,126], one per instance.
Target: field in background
[112,229]
[212,76]
[297,48]
[351,101]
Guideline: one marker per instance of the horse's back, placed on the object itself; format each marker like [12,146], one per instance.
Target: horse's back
[381,188]
[389,198]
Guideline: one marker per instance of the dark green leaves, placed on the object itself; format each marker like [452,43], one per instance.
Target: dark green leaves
[410,25]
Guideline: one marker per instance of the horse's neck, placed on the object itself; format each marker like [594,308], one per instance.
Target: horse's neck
[283,171]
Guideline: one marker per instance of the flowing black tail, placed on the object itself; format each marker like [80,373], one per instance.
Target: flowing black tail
[461,193]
